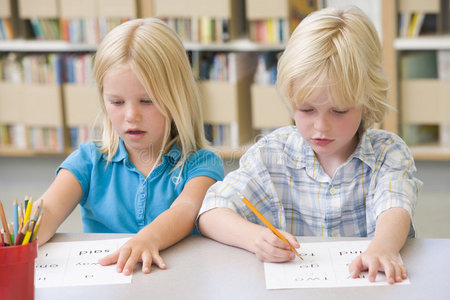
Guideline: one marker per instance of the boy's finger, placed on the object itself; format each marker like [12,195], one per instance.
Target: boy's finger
[355,267]
[157,260]
[374,266]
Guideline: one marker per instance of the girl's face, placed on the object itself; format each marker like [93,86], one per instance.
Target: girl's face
[329,130]
[133,115]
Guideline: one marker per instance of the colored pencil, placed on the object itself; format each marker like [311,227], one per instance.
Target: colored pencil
[269,225]
[16,217]
[28,210]
[22,234]
[5,224]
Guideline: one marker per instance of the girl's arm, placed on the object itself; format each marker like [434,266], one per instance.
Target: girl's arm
[167,229]
[382,254]
[60,199]
[226,226]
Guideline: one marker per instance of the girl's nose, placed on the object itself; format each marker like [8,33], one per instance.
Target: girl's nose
[132,114]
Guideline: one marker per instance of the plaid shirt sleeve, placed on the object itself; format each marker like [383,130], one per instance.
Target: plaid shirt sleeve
[253,181]
[393,182]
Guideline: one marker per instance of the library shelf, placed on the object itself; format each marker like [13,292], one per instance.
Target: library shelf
[431,152]
[423,43]
[44,46]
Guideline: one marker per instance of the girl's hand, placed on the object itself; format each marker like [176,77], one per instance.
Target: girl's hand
[375,260]
[270,248]
[135,250]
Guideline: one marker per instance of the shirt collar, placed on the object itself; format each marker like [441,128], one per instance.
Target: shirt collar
[173,155]
[299,153]
[364,151]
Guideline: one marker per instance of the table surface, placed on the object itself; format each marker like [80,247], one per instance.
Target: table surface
[200,268]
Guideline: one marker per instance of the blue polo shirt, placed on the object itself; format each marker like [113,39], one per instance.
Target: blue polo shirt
[118,198]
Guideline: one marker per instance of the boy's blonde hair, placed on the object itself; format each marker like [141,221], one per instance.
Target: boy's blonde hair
[340,50]
[156,55]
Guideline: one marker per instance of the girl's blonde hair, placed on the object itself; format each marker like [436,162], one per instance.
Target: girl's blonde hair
[156,55]
[339,50]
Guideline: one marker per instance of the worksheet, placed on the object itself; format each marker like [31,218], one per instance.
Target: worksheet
[323,265]
[75,264]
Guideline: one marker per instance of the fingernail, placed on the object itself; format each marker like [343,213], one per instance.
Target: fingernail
[146,270]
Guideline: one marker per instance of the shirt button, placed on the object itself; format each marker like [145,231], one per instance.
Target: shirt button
[335,233]
[333,191]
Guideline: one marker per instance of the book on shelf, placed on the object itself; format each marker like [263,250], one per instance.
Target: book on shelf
[443,61]
[414,24]
[418,64]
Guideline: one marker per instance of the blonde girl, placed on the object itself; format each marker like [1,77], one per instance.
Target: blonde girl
[149,173]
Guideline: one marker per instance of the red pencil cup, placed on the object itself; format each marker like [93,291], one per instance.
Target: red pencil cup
[17,271]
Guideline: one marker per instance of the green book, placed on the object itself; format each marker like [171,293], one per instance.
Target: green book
[420,64]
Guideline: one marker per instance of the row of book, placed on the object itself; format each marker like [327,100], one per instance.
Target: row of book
[78,30]
[413,24]
[87,30]
[201,30]
[266,69]
[218,66]
[6,32]
[19,136]
[425,64]
[53,68]
[222,135]
[81,134]
[270,31]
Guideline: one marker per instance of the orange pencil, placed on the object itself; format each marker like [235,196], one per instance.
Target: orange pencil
[5,225]
[270,226]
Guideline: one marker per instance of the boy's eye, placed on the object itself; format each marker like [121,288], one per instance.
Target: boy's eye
[341,112]
[305,110]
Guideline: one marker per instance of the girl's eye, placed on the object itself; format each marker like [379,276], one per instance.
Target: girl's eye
[305,110]
[146,101]
[116,102]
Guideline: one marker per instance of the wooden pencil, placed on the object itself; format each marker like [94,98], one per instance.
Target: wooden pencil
[5,224]
[269,225]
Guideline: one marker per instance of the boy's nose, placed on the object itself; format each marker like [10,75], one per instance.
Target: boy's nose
[322,124]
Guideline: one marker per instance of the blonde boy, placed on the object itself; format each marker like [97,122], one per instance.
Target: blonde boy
[330,175]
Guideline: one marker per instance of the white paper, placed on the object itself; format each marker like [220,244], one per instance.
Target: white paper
[75,264]
[323,265]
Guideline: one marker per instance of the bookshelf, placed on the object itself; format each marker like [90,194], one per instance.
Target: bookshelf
[421,88]
[73,105]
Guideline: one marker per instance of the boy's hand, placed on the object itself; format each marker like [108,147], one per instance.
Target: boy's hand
[375,260]
[270,248]
[135,250]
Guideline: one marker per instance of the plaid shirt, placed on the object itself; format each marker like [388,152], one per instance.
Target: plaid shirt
[283,179]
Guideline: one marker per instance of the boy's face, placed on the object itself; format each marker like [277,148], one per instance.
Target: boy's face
[329,130]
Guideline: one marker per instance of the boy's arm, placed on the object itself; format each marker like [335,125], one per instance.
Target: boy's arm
[168,228]
[59,201]
[391,231]
[226,226]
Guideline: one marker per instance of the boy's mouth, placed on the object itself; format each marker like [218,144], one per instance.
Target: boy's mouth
[321,142]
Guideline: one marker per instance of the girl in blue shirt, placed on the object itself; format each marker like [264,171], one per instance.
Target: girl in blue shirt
[149,173]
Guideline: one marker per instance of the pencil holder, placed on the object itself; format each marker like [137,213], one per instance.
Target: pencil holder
[17,271]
